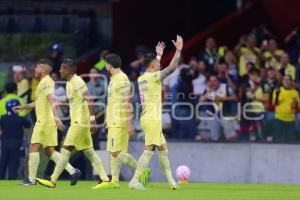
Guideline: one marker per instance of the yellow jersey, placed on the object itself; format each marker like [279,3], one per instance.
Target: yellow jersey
[116,106]
[289,70]
[79,111]
[247,55]
[150,94]
[43,110]
[284,111]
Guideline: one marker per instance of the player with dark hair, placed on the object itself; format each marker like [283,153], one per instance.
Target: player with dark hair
[82,124]
[151,120]
[45,130]
[119,119]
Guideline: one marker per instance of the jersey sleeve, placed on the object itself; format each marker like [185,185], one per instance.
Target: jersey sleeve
[124,86]
[81,87]
[48,87]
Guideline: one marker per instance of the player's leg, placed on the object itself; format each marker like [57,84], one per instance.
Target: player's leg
[60,166]
[142,164]
[33,163]
[165,165]
[117,145]
[55,156]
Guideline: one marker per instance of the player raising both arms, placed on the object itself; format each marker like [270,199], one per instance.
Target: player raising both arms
[119,119]
[82,124]
[151,120]
[45,129]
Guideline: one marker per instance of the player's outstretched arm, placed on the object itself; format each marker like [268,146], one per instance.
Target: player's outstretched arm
[27,107]
[54,106]
[87,96]
[176,58]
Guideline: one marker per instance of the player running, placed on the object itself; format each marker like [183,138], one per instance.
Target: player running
[45,129]
[151,120]
[82,124]
[118,119]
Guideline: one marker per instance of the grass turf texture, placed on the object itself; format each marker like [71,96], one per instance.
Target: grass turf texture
[9,190]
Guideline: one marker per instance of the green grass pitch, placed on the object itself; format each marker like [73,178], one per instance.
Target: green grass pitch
[9,190]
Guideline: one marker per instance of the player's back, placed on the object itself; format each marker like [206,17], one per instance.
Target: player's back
[79,112]
[150,94]
[116,107]
[43,110]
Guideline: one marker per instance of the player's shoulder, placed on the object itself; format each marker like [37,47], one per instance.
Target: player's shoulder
[47,80]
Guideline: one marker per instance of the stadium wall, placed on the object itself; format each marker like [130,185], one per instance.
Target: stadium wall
[227,162]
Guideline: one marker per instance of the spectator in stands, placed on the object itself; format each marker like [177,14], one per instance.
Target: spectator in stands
[209,55]
[269,84]
[199,81]
[57,53]
[272,54]
[259,96]
[224,76]
[218,94]
[286,100]
[247,52]
[12,126]
[100,65]
[97,88]
[285,68]
[22,83]
[137,67]
[293,39]
[184,123]
[170,82]
[232,65]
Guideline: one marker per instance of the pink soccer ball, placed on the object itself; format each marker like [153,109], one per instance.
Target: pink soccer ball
[183,173]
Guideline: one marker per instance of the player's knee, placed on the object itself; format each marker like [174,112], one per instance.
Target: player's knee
[115,154]
[150,148]
[34,148]
[49,151]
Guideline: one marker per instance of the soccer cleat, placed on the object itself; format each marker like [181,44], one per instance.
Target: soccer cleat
[27,182]
[74,177]
[136,186]
[175,187]
[46,183]
[183,181]
[107,185]
[145,176]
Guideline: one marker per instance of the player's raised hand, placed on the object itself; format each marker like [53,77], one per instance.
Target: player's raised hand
[178,43]
[159,48]
[59,124]
[18,109]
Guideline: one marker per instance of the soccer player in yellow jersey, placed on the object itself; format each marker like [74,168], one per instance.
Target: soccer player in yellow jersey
[45,129]
[82,124]
[118,118]
[151,120]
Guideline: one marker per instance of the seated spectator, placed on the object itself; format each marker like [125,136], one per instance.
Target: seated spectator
[209,55]
[12,126]
[219,95]
[285,68]
[286,100]
[247,52]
